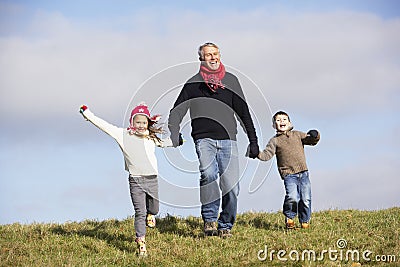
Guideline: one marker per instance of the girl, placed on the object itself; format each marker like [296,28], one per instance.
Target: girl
[138,143]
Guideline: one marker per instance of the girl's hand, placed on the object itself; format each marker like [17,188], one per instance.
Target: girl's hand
[181,140]
[82,109]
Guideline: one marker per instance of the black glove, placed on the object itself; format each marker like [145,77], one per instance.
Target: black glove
[180,139]
[313,133]
[177,140]
[253,150]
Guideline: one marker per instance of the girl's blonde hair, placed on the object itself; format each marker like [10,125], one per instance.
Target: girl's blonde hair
[153,130]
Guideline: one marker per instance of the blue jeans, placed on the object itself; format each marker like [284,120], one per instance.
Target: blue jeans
[218,159]
[298,196]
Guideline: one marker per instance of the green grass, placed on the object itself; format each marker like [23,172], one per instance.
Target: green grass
[180,241]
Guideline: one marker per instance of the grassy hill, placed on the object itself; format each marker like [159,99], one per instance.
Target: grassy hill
[336,238]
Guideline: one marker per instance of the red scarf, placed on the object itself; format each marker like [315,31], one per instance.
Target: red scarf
[213,78]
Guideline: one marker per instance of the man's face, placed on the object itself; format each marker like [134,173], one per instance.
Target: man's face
[212,57]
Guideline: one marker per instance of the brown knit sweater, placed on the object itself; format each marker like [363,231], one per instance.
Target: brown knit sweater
[289,150]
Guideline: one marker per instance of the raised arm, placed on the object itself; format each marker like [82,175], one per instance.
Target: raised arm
[113,131]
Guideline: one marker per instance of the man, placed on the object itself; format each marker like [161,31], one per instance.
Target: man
[215,99]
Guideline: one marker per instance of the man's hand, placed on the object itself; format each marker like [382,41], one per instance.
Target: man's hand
[177,140]
[253,150]
[181,140]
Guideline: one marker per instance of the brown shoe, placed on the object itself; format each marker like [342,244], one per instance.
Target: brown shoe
[305,225]
[210,229]
[224,233]
[289,223]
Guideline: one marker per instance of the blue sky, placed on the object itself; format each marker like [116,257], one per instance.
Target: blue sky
[332,65]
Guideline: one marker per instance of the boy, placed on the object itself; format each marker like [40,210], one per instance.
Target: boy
[288,146]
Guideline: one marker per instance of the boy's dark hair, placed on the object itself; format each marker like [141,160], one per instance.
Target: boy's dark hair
[280,113]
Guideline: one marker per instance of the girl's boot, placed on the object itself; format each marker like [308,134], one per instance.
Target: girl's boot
[141,243]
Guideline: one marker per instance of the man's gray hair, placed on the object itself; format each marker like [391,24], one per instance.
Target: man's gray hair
[200,51]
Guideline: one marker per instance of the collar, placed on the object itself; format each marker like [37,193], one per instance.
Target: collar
[134,132]
[278,133]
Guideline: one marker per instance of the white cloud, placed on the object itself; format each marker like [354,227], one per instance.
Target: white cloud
[333,61]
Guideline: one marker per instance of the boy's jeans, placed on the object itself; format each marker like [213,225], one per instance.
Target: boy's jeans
[218,158]
[298,196]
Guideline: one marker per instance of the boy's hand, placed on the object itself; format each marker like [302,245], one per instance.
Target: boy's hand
[82,109]
[313,133]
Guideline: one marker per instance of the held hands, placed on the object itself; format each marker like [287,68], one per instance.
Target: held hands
[177,140]
[181,140]
[252,150]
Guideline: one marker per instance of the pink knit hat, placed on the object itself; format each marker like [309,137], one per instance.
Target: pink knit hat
[142,109]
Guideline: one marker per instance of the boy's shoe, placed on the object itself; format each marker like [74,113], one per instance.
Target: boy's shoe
[141,243]
[151,220]
[210,229]
[305,225]
[224,233]
[289,223]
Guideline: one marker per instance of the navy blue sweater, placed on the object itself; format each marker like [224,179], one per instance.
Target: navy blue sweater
[213,115]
